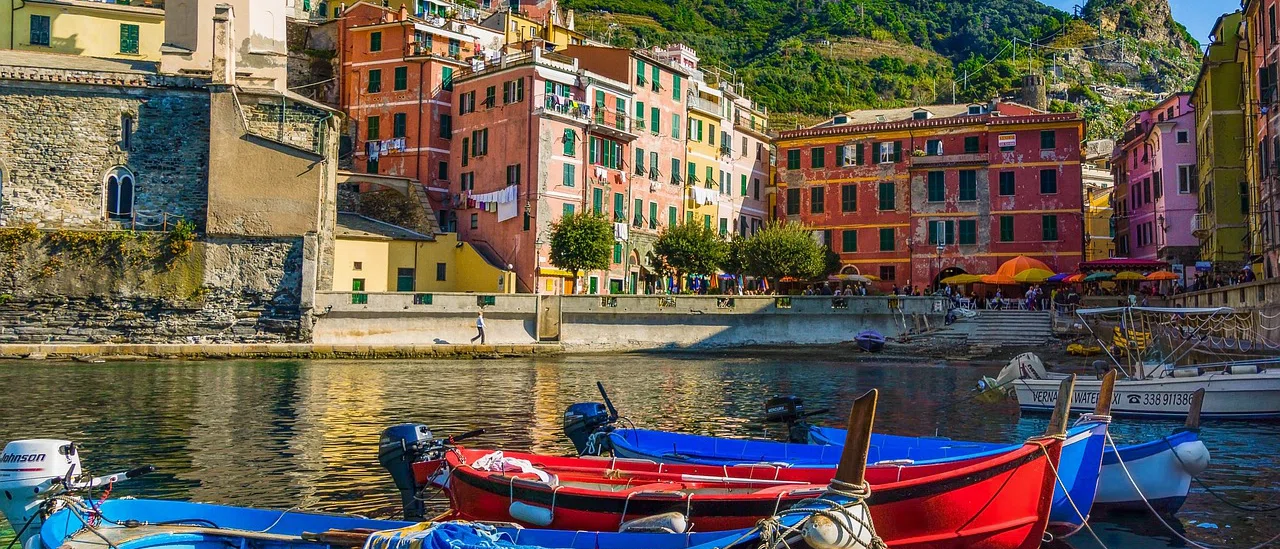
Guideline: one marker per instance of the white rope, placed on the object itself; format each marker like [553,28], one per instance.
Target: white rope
[1084,520]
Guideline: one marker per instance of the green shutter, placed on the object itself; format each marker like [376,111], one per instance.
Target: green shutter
[672,215]
[591,154]
[655,122]
[128,38]
[858,158]
[887,240]
[619,207]
[653,215]
[597,200]
[675,87]
[839,156]
[897,151]
[744,184]
[887,199]
[402,78]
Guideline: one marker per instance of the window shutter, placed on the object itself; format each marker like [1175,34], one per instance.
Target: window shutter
[897,151]
[840,155]
[857,148]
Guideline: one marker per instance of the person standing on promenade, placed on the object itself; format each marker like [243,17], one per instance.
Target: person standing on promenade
[479,328]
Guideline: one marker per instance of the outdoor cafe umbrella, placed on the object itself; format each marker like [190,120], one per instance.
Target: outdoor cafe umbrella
[998,279]
[1033,275]
[1060,277]
[1078,277]
[1129,275]
[963,278]
[1162,275]
[1022,263]
[1100,276]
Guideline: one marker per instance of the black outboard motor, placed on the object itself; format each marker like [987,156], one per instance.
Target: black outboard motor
[791,411]
[584,419]
[399,448]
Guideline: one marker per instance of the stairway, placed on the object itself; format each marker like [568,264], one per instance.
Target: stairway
[1019,328]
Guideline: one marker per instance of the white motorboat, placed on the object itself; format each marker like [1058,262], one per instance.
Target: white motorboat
[1147,345]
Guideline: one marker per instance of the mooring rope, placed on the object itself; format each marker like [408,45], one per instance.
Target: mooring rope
[774,535]
[1084,519]
[1214,493]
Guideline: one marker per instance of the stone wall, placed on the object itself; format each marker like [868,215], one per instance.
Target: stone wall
[59,141]
[288,122]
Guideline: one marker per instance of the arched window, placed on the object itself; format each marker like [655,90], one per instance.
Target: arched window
[120,183]
[126,132]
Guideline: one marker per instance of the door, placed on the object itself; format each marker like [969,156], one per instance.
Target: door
[404,279]
[549,318]
[594,286]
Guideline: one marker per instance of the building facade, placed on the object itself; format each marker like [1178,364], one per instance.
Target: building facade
[1099,226]
[1156,188]
[1261,59]
[1226,197]
[126,31]
[912,195]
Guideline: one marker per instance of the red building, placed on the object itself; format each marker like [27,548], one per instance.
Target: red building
[913,195]
[396,74]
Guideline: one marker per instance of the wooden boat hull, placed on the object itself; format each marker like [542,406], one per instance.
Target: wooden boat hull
[993,502]
[1227,396]
[1161,470]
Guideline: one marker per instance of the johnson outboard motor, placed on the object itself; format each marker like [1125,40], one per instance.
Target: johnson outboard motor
[399,448]
[790,410]
[33,472]
[584,419]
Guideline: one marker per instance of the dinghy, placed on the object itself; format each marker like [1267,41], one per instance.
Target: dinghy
[838,519]
[1151,346]
[870,341]
[994,501]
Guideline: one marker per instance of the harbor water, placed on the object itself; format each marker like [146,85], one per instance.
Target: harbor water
[286,434]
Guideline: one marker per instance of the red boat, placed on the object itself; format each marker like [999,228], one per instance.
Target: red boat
[999,501]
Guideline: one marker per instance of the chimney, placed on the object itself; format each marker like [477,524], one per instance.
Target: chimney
[404,12]
[1034,94]
[224,54]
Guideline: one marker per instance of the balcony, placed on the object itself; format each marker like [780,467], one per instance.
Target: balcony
[613,124]
[1201,225]
[705,106]
[752,125]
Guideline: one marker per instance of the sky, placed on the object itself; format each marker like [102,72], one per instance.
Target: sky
[1197,15]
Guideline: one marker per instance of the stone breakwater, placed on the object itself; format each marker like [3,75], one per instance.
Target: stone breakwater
[109,352]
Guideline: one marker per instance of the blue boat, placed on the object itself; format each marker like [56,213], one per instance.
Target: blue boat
[870,341]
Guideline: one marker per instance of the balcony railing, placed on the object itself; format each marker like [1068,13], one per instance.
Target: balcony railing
[705,105]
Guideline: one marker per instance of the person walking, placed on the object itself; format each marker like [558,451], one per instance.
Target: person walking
[479,328]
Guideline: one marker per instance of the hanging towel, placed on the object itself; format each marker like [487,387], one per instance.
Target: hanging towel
[620,231]
[506,210]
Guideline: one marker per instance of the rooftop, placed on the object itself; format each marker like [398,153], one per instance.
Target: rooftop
[352,225]
[998,113]
[64,61]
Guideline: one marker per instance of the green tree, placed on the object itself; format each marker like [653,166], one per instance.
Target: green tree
[581,242]
[786,249]
[690,248]
[735,256]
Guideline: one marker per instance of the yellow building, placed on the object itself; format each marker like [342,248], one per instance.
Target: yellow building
[1099,228]
[372,256]
[95,29]
[702,159]
[519,29]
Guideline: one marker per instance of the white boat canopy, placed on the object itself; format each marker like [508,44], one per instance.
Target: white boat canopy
[1158,310]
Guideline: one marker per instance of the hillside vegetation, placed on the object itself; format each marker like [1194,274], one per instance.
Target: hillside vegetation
[807,59]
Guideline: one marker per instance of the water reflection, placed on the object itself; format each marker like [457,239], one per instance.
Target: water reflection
[290,433]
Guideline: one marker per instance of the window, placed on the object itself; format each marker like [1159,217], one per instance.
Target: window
[513,175]
[443,171]
[711,129]
[371,166]
[446,126]
[1049,228]
[400,80]
[711,177]
[619,207]
[724,226]
[849,241]
[39,30]
[887,201]
[971,145]
[375,41]
[968,185]
[755,188]
[1188,179]
[569,175]
[937,187]
[849,198]
[888,272]
[639,164]
[467,103]
[672,216]
[706,222]
[655,120]
[442,269]
[640,79]
[793,201]
[817,199]
[1048,181]
[454,48]
[637,213]
[743,180]
[375,81]
[887,240]
[1006,228]
[490,96]
[653,215]
[1048,139]
[1146,190]
[944,230]
[480,142]
[570,138]
[128,38]
[933,147]
[1244,197]
[793,159]
[446,78]
[1157,181]
[640,114]
[653,165]
[675,171]
[513,91]
[675,125]
[120,188]
[372,128]
[126,132]
[398,121]
[1183,137]
[654,77]
[466,150]
[817,157]
[468,181]
[404,279]
[675,87]
[968,232]
[890,152]
[357,266]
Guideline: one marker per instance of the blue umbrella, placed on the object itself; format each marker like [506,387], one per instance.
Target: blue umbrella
[1059,277]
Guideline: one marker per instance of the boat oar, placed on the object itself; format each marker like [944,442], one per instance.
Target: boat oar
[1062,408]
[848,525]
[1105,394]
[1193,414]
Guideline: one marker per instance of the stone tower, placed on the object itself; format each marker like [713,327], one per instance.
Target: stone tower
[1034,94]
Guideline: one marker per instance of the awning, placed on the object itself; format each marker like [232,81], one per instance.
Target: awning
[548,271]
[1123,264]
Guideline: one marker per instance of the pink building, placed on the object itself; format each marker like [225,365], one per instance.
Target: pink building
[1157,184]
[536,137]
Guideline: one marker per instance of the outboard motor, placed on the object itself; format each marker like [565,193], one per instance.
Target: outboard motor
[791,411]
[399,448]
[33,471]
[584,419]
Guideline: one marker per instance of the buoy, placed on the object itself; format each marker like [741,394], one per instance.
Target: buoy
[850,530]
[1193,455]
[530,514]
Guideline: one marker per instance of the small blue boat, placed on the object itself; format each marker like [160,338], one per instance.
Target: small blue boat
[870,341]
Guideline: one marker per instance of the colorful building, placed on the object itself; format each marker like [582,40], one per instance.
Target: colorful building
[397,71]
[915,194]
[1226,196]
[373,256]
[523,31]
[559,142]
[132,31]
[1156,188]
[1099,226]
[657,155]
[1261,59]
